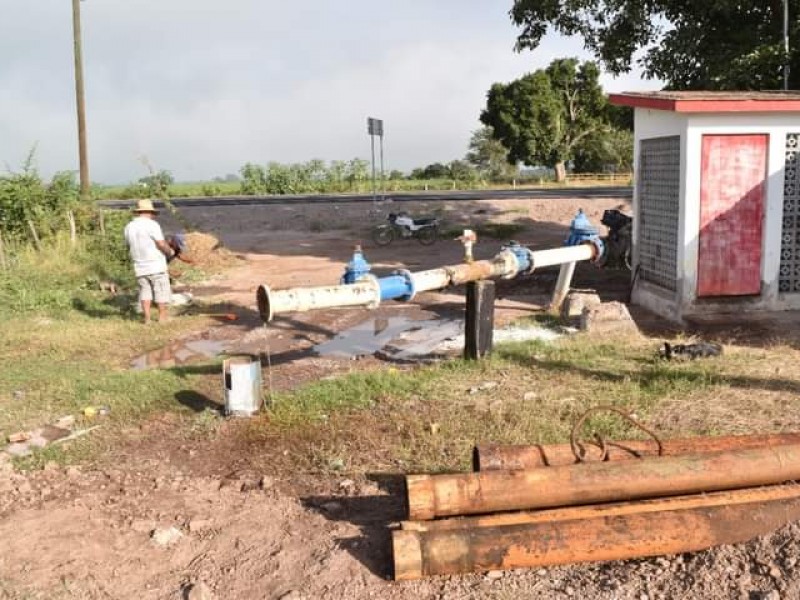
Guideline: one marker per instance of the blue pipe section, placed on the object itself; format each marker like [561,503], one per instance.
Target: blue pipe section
[523,255]
[398,286]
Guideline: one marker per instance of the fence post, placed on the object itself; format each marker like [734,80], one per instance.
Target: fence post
[73,234]
[35,235]
[3,262]
[102,219]
[479,325]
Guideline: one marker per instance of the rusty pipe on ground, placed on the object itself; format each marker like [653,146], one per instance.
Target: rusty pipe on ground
[431,496]
[595,533]
[572,513]
[497,457]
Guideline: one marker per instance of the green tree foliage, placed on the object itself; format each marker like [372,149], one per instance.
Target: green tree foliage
[544,117]
[254,179]
[489,157]
[436,171]
[300,178]
[156,185]
[611,150]
[28,202]
[719,44]
[461,170]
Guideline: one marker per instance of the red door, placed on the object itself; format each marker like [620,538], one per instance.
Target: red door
[733,172]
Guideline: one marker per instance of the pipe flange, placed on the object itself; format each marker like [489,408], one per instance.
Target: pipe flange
[370,278]
[599,249]
[264,305]
[412,288]
[510,265]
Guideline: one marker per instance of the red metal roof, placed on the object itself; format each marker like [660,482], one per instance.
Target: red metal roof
[711,102]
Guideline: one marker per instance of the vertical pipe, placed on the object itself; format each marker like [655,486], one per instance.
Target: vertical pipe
[80,99]
[562,285]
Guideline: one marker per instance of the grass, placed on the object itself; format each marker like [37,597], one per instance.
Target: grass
[65,344]
[426,419]
[492,230]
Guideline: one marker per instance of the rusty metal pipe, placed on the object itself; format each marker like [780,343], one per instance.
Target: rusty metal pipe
[594,533]
[571,513]
[431,496]
[496,457]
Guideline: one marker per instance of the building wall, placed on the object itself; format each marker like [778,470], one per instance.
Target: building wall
[691,128]
[648,125]
[777,126]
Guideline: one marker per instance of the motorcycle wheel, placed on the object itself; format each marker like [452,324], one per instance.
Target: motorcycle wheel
[628,259]
[383,235]
[427,235]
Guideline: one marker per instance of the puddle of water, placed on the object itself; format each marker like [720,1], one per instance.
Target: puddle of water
[179,353]
[370,336]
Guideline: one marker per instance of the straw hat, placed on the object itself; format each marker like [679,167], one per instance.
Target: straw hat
[143,206]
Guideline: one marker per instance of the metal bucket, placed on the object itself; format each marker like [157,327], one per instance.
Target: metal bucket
[241,376]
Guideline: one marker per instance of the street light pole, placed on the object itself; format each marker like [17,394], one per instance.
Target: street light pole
[80,100]
[785,44]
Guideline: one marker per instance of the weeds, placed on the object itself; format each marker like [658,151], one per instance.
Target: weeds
[428,419]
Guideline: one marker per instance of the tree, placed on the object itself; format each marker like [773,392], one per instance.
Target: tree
[489,156]
[612,150]
[157,183]
[436,171]
[543,117]
[254,179]
[461,170]
[720,44]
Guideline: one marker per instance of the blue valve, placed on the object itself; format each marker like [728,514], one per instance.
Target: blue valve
[581,230]
[357,268]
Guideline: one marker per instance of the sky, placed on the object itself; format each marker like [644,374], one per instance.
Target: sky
[201,87]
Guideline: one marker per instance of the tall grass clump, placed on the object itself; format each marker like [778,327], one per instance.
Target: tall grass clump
[53,245]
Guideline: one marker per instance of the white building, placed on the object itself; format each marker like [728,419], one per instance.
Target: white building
[716,201]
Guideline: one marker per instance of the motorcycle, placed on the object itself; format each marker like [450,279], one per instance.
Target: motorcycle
[619,240]
[401,225]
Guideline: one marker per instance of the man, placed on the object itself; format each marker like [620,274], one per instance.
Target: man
[149,253]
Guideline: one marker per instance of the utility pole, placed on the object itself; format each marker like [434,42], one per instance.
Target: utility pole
[80,99]
[786,44]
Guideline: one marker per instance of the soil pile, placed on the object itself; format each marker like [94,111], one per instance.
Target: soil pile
[207,251]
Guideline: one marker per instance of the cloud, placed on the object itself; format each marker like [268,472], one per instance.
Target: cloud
[202,87]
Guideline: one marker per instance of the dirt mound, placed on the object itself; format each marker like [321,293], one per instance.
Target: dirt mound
[207,251]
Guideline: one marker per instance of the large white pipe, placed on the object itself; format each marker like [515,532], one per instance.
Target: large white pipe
[272,302]
[563,255]
[435,279]
[367,292]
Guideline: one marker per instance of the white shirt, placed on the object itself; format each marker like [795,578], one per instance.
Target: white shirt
[142,234]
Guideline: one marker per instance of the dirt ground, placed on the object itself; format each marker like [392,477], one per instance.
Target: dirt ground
[242,532]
